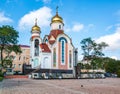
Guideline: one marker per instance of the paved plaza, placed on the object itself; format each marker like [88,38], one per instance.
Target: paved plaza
[63,86]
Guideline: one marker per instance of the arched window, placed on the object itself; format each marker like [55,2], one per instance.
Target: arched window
[63,51]
[63,42]
[46,41]
[36,47]
[54,57]
[70,59]
[59,26]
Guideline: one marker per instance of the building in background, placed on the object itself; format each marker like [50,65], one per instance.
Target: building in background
[20,59]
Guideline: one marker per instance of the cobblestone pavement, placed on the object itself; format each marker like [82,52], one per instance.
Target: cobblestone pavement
[63,86]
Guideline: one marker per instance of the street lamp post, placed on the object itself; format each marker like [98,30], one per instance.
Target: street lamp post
[76,60]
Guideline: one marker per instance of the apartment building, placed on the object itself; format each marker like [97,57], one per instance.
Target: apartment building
[20,59]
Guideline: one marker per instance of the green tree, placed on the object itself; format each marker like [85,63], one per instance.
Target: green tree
[111,65]
[92,52]
[87,46]
[8,43]
[98,48]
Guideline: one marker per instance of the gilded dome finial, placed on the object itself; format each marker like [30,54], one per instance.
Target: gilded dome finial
[36,21]
[57,10]
[57,18]
[35,27]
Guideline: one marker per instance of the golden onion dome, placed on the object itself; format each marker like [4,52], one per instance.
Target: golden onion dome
[35,27]
[57,18]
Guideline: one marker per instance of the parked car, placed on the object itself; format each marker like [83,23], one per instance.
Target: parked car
[113,75]
[107,74]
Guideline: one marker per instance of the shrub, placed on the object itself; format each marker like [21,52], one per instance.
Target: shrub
[1,74]
[1,78]
[118,73]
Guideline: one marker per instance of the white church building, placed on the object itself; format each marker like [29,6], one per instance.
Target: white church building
[55,51]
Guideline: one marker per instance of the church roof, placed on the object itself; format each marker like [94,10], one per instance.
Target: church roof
[45,47]
[54,33]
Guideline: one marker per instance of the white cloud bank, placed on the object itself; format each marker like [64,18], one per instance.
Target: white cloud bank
[75,28]
[4,19]
[113,40]
[78,27]
[43,16]
[114,57]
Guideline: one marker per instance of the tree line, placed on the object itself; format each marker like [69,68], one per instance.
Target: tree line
[94,56]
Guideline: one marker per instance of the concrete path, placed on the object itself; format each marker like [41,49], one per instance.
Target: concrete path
[70,86]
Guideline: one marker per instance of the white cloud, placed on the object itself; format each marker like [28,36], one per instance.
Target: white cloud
[108,28]
[80,57]
[113,40]
[75,28]
[89,27]
[114,57]
[4,19]
[78,27]
[43,16]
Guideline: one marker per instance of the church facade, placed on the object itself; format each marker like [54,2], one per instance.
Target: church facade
[55,51]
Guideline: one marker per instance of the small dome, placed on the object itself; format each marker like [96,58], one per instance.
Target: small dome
[35,27]
[56,18]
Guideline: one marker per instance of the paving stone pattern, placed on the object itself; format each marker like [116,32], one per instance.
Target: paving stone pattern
[63,86]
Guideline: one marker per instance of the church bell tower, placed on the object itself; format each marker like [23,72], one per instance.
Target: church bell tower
[35,50]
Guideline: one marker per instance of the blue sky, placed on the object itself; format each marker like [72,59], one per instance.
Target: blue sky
[98,19]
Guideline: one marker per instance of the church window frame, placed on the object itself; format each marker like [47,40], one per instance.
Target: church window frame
[63,49]
[60,27]
[70,59]
[63,52]
[36,46]
[54,57]
[46,40]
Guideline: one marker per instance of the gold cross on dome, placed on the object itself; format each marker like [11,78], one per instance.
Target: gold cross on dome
[36,21]
[57,9]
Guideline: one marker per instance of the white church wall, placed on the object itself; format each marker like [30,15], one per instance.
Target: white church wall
[55,45]
[46,61]
[56,25]
[70,47]
[35,34]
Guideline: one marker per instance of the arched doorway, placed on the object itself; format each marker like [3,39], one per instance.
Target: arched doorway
[46,62]
[36,62]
